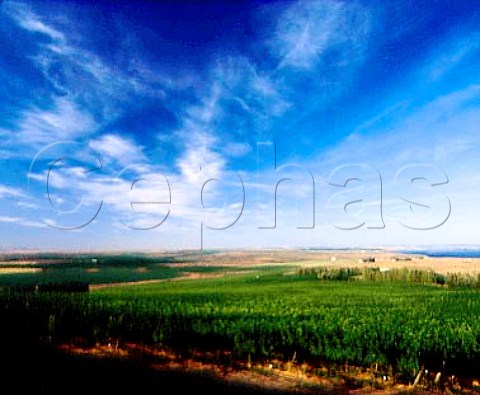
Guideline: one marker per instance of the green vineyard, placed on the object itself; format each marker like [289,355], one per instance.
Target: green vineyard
[397,326]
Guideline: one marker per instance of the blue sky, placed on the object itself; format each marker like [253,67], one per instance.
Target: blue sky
[158,125]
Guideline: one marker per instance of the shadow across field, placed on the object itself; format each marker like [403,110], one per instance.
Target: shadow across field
[49,371]
[46,371]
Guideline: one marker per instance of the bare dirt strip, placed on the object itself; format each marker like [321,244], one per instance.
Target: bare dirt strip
[281,377]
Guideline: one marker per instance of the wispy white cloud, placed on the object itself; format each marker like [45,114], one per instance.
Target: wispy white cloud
[436,131]
[237,149]
[315,45]
[256,91]
[80,73]
[90,96]
[64,121]
[118,148]
[6,191]
[21,221]
[27,205]
[31,224]
[460,49]
[31,22]
[200,139]
[6,219]
[200,156]
[309,31]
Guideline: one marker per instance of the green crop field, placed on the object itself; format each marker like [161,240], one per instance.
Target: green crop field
[398,326]
[110,269]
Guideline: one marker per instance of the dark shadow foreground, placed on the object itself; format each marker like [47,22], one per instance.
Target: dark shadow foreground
[50,372]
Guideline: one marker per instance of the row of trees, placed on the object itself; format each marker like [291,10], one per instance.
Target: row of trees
[405,275]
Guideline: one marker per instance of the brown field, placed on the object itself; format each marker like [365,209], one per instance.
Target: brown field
[338,259]
[19,270]
[287,257]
